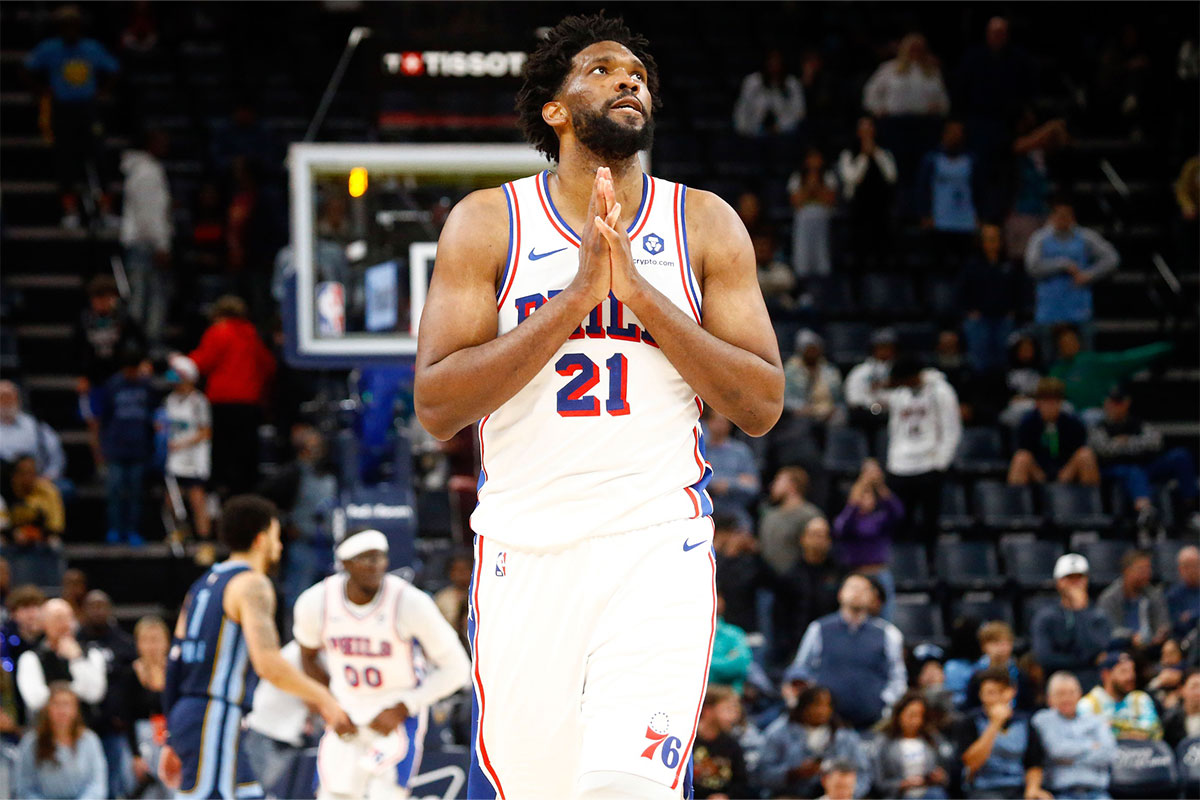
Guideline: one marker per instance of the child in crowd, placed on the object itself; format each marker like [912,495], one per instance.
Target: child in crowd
[189,440]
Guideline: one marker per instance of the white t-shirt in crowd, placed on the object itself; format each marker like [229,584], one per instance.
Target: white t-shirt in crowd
[186,415]
[277,714]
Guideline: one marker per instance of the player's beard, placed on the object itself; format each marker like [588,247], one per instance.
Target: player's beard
[609,140]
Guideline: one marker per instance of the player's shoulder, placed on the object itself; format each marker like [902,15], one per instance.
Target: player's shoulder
[481,207]
[313,594]
[710,218]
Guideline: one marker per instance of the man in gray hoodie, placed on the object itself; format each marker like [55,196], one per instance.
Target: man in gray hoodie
[146,231]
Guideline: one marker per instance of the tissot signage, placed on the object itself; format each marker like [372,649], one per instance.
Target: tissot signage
[455,63]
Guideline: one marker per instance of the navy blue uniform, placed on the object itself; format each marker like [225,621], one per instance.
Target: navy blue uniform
[213,682]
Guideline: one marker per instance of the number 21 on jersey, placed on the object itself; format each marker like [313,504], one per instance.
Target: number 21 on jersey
[575,400]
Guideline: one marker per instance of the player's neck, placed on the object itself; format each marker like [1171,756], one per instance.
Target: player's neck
[255,561]
[358,595]
[576,173]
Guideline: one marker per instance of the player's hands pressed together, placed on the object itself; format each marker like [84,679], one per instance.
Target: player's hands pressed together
[389,719]
[594,277]
[626,281]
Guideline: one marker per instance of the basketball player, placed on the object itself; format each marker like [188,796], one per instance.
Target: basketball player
[378,631]
[581,316]
[224,640]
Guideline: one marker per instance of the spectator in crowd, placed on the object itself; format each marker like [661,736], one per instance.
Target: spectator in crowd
[305,491]
[146,231]
[798,742]
[808,590]
[329,254]
[924,429]
[452,600]
[775,278]
[189,440]
[205,251]
[1072,634]
[996,640]
[112,722]
[71,74]
[103,332]
[731,656]
[22,433]
[1089,375]
[237,367]
[909,84]
[718,764]
[1166,677]
[749,211]
[813,386]
[770,102]
[73,589]
[866,383]
[126,415]
[1187,196]
[59,657]
[275,735]
[1064,260]
[1136,610]
[1118,701]
[1052,443]
[740,570]
[1031,204]
[1183,721]
[34,515]
[999,747]
[813,193]
[243,138]
[1024,370]
[909,763]
[865,528]
[839,779]
[1131,452]
[61,759]
[781,529]
[859,657]
[947,196]
[1079,747]
[149,730]
[928,667]
[990,294]
[22,631]
[735,484]
[867,174]
[1183,598]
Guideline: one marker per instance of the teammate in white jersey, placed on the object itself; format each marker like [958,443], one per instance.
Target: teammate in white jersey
[581,316]
[389,655]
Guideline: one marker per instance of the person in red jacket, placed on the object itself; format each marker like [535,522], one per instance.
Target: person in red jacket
[238,369]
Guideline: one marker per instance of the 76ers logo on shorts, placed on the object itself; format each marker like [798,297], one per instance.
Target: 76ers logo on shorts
[656,732]
[501,564]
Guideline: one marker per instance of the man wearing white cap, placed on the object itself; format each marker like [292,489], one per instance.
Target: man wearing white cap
[390,655]
[1073,634]
[189,439]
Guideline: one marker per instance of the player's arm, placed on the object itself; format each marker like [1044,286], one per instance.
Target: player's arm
[732,359]
[310,662]
[463,370]
[250,601]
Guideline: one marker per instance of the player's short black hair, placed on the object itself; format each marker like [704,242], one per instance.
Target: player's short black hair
[243,518]
[549,64]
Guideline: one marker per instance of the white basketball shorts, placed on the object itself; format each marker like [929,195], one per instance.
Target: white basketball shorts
[592,658]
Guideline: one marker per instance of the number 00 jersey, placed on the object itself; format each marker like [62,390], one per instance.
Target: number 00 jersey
[606,437]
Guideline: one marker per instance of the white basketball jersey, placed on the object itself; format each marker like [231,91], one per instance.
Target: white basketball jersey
[606,437]
[370,663]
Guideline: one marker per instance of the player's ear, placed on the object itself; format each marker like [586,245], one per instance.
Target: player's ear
[555,114]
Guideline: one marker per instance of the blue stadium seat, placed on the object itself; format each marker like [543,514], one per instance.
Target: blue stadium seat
[888,296]
[880,445]
[967,565]
[1072,507]
[955,515]
[916,337]
[845,450]
[918,619]
[984,606]
[1104,559]
[1032,603]
[941,298]
[981,452]
[1144,769]
[1187,757]
[832,296]
[1005,507]
[847,343]
[1029,563]
[910,567]
[1165,553]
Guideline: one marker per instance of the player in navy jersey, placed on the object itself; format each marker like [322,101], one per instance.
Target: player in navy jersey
[583,317]
[225,640]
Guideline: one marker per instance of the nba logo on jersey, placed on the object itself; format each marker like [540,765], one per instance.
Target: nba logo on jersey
[501,564]
[652,243]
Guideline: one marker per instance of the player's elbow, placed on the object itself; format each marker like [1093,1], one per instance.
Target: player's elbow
[762,414]
[435,420]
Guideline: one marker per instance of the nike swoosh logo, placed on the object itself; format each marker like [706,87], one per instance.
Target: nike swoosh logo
[535,256]
[688,546]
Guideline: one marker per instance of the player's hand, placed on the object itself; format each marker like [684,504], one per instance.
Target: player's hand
[627,283]
[170,768]
[389,719]
[336,718]
[594,277]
